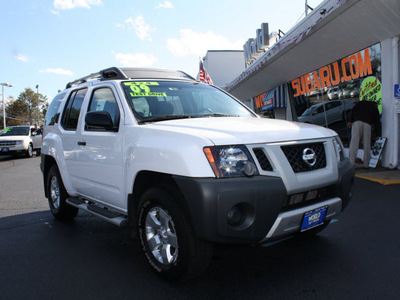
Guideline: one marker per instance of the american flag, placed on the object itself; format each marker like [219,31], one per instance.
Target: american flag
[203,75]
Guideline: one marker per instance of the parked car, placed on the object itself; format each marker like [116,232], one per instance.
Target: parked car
[186,165]
[326,113]
[20,140]
[333,93]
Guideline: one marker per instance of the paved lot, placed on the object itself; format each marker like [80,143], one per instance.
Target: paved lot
[356,257]
[21,186]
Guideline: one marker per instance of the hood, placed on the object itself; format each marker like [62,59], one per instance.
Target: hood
[13,137]
[230,131]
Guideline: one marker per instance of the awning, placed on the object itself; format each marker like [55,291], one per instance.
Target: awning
[274,98]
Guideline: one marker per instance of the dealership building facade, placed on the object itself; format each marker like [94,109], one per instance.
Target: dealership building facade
[344,51]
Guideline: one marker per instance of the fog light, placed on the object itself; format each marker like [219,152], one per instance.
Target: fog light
[234,216]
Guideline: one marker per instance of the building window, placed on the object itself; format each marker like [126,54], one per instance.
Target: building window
[325,96]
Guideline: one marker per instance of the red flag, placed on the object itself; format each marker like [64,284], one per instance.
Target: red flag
[203,75]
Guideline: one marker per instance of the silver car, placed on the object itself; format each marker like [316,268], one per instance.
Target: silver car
[327,113]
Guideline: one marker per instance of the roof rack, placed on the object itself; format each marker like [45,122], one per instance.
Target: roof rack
[131,73]
[83,79]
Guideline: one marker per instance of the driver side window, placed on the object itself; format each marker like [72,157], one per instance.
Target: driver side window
[103,99]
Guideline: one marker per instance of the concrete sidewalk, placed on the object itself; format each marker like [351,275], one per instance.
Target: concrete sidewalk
[380,174]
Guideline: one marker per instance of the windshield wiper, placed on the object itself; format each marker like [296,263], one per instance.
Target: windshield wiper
[218,115]
[165,118]
[176,117]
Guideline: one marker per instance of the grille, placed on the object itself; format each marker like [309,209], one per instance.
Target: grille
[294,155]
[8,143]
[310,197]
[262,159]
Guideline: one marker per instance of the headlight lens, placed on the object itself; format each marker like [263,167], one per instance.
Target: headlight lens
[230,161]
[339,149]
[19,142]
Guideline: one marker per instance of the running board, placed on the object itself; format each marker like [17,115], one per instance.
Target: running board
[106,214]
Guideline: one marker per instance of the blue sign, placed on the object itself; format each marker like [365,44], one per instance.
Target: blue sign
[397,90]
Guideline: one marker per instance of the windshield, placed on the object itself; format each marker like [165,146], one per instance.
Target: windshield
[165,100]
[307,112]
[15,131]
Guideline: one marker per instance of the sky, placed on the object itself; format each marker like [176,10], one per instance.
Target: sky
[52,42]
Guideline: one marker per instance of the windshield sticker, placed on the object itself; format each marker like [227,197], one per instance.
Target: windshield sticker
[143,89]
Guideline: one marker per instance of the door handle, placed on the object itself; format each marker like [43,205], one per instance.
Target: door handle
[81,143]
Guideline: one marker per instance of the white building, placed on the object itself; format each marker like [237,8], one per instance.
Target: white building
[223,65]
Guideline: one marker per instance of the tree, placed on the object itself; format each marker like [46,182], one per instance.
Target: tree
[28,108]
[16,113]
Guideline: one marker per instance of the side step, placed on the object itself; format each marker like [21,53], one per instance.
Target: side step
[106,214]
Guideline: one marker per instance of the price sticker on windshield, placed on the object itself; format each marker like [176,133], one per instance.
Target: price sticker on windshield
[144,89]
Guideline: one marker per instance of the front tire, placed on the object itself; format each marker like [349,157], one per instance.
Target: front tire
[29,151]
[168,239]
[57,195]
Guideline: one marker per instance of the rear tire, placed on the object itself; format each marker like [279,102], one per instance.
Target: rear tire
[168,239]
[57,195]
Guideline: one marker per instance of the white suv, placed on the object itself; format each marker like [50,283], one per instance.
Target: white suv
[186,165]
[20,140]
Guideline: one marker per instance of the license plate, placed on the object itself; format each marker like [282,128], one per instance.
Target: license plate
[4,149]
[314,218]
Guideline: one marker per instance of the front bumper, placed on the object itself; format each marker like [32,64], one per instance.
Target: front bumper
[4,150]
[252,209]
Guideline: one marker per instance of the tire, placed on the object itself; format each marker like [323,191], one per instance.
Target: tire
[29,151]
[57,195]
[168,239]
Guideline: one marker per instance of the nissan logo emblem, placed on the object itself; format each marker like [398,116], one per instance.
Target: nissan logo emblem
[309,157]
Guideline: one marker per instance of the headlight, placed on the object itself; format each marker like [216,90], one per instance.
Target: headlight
[18,142]
[339,149]
[230,161]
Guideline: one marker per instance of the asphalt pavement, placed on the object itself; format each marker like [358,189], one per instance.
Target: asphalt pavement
[355,257]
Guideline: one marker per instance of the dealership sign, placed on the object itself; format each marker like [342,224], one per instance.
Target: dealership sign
[254,47]
[349,68]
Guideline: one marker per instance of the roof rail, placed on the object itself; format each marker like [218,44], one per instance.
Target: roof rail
[131,73]
[83,79]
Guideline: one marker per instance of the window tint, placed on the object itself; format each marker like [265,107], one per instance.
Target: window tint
[73,109]
[52,113]
[103,100]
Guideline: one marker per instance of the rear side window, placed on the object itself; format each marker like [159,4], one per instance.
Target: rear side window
[52,113]
[72,110]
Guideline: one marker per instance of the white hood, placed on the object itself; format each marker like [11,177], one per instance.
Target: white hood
[230,131]
[13,137]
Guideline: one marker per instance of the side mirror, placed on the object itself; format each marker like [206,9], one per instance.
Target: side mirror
[99,120]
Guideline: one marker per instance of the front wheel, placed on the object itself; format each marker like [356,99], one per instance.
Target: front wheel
[167,238]
[57,195]
[29,151]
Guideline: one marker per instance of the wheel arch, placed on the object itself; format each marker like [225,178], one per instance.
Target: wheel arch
[149,179]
